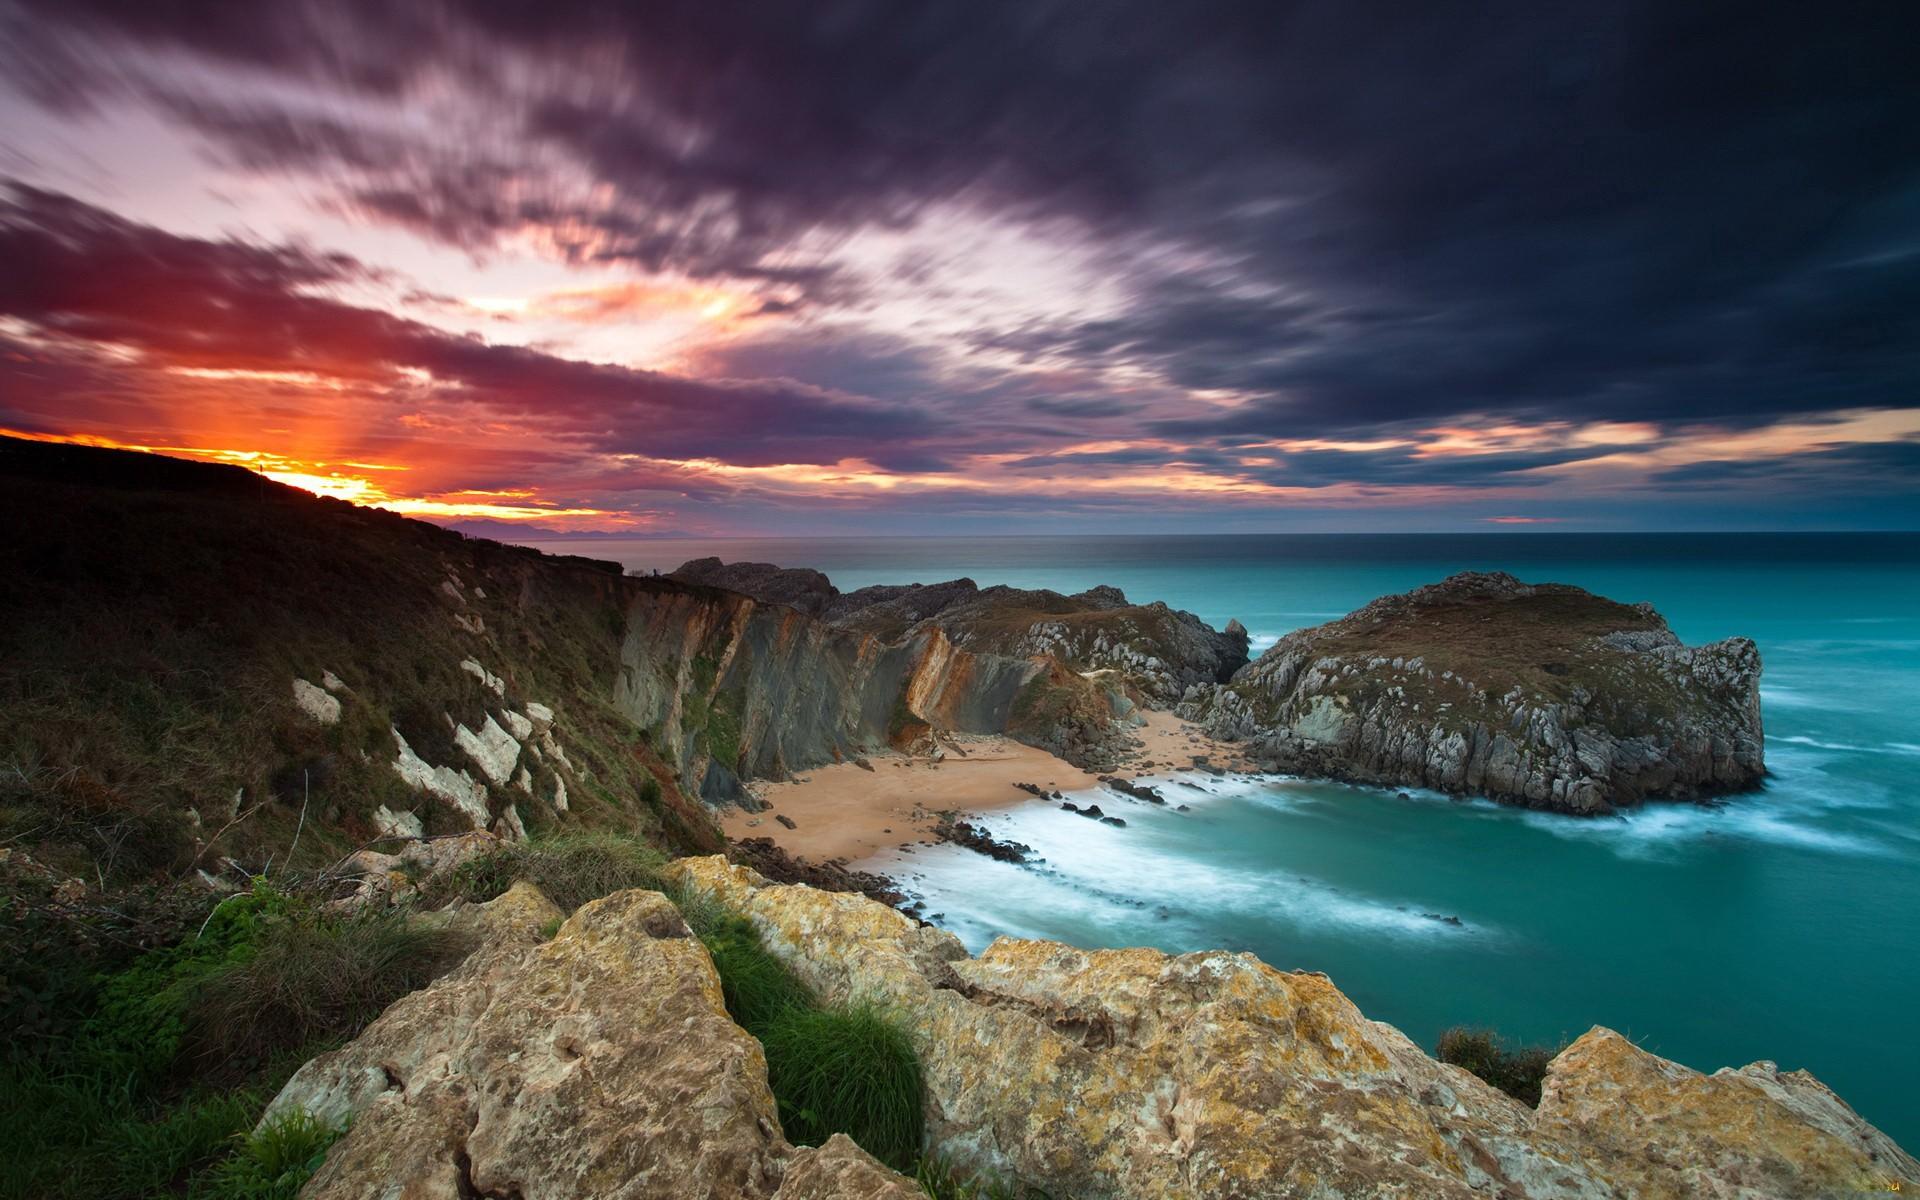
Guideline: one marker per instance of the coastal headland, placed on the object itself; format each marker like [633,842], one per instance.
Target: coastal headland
[237,695]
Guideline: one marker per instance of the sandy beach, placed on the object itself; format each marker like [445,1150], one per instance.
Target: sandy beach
[845,811]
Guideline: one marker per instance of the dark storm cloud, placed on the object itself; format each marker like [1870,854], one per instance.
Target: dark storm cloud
[1400,466]
[1860,468]
[1353,215]
[980,409]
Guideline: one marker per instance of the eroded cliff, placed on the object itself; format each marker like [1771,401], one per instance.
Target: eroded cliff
[1155,651]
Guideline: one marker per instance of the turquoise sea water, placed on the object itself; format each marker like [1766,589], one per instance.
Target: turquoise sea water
[1784,924]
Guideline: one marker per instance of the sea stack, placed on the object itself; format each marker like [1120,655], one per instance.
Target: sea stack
[1543,695]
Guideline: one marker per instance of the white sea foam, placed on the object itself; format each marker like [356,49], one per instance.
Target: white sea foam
[1777,696]
[1129,885]
[1659,830]
[1816,743]
[1904,749]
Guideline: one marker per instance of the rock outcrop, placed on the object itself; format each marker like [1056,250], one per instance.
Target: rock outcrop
[598,1066]
[1537,694]
[1156,650]
[1140,1074]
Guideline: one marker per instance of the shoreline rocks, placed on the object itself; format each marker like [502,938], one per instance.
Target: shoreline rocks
[978,840]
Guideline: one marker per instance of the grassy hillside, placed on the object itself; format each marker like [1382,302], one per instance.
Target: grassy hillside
[156,613]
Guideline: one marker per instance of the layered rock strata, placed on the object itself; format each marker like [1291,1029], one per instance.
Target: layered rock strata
[1156,650]
[730,688]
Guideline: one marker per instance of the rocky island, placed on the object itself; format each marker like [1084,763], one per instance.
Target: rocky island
[1543,695]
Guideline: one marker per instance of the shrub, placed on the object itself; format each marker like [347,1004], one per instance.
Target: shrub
[53,954]
[846,1071]
[140,1014]
[571,868]
[1517,1072]
[272,1163]
[120,1106]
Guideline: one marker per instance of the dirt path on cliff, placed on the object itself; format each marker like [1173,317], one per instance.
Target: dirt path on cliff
[846,811]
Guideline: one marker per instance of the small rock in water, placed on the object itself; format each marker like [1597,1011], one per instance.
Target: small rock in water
[786,820]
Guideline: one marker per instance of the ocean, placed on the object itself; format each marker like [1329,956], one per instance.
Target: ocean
[1782,924]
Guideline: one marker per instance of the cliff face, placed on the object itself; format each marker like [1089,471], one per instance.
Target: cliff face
[731,688]
[1155,651]
[1542,695]
[602,1064]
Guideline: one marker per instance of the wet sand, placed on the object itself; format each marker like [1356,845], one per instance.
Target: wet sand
[847,812]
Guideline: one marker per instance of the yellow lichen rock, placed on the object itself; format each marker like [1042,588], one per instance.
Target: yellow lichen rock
[600,1065]
[1141,1074]
[1754,1133]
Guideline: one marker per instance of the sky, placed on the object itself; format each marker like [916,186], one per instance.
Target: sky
[838,267]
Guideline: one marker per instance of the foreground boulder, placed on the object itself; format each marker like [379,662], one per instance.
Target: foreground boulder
[600,1065]
[1543,695]
[1140,1074]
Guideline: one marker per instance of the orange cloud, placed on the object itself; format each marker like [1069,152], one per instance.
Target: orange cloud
[327,479]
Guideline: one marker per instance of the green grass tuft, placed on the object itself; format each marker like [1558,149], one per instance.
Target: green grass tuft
[832,1070]
[846,1071]
[1517,1072]
[86,1134]
[273,1163]
[759,989]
